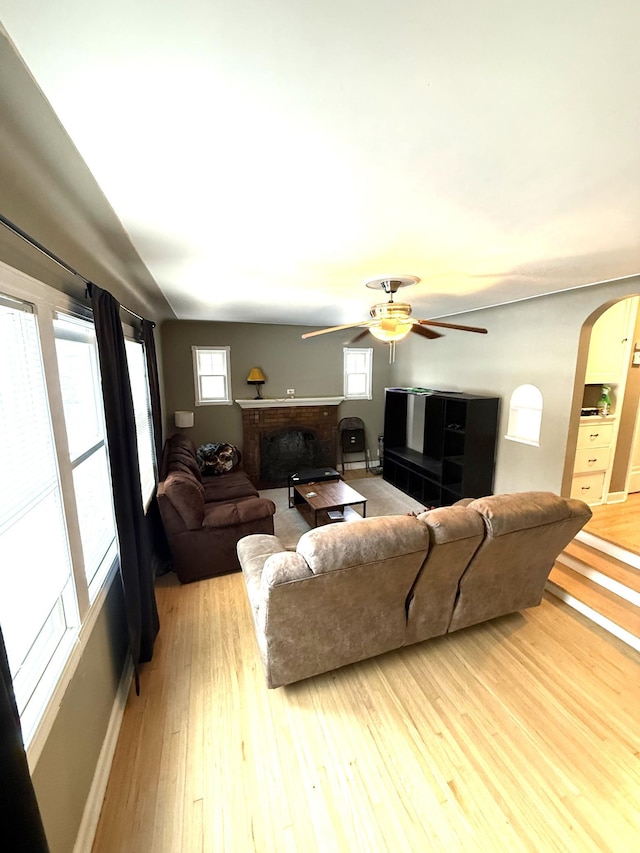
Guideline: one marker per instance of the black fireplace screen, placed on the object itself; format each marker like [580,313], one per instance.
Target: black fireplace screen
[284,452]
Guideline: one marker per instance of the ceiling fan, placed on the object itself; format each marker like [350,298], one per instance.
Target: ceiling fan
[392,321]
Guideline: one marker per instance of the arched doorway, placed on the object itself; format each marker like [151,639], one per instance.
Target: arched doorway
[615,455]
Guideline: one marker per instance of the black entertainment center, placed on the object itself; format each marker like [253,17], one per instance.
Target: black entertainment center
[439,446]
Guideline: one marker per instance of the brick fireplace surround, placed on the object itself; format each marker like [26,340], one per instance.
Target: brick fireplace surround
[264,420]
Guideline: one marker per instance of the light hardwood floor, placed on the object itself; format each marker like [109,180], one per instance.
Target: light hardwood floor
[618,523]
[520,734]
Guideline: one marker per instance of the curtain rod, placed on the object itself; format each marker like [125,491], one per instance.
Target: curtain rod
[36,245]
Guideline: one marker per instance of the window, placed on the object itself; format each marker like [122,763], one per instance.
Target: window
[212,375]
[35,561]
[58,547]
[144,423]
[525,415]
[77,358]
[58,544]
[357,373]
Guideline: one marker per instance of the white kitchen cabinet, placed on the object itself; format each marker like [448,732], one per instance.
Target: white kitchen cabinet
[610,343]
[594,458]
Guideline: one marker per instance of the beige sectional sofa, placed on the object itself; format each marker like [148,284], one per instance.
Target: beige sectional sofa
[352,591]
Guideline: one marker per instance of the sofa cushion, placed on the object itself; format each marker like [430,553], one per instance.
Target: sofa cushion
[184,467]
[455,533]
[521,511]
[340,546]
[525,532]
[180,440]
[231,514]
[181,457]
[228,487]
[452,523]
[187,497]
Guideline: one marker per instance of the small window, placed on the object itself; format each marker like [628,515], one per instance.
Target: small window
[357,373]
[525,415]
[212,375]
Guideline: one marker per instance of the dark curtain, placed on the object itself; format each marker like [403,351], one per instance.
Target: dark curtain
[133,531]
[19,814]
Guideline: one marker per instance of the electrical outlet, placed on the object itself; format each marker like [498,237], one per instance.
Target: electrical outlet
[291,391]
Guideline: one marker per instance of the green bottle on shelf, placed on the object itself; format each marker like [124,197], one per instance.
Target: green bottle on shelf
[604,403]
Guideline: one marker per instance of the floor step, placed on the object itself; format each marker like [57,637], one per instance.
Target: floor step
[611,611]
[618,571]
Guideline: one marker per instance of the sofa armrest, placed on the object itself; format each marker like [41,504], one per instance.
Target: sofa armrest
[284,567]
[254,550]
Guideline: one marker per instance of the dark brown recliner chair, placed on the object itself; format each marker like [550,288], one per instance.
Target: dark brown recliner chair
[205,518]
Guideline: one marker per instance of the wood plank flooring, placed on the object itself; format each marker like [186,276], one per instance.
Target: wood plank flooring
[618,523]
[522,734]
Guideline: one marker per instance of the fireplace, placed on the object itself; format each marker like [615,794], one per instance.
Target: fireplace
[278,440]
[287,450]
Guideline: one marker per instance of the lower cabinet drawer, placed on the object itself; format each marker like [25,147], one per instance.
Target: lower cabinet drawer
[592,459]
[588,487]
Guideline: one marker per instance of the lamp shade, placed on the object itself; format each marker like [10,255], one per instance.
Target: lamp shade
[256,375]
[183,419]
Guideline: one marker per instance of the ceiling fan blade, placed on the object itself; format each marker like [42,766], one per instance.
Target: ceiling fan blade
[453,326]
[336,328]
[426,333]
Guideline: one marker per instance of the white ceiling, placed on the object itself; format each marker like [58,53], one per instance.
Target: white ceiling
[266,158]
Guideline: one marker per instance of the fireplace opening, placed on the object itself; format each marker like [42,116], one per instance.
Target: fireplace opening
[285,451]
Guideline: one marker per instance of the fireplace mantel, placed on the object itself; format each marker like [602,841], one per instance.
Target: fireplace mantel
[284,402]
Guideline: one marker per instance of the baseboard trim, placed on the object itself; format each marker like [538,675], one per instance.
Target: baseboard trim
[93,806]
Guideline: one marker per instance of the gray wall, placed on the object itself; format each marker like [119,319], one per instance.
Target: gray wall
[313,367]
[539,341]
[48,192]
[65,769]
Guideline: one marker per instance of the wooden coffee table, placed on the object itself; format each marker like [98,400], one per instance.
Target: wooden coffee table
[321,499]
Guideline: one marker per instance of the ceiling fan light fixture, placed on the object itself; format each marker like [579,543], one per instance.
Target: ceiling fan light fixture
[394,321]
[392,330]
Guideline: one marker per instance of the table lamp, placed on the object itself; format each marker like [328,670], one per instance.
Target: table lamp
[256,377]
